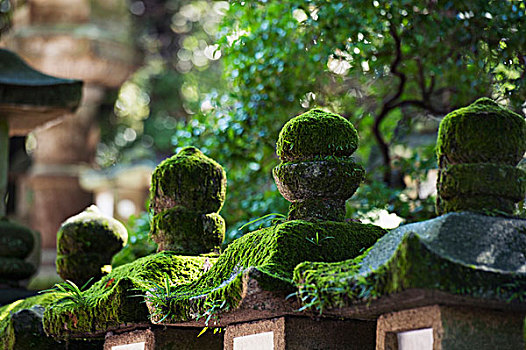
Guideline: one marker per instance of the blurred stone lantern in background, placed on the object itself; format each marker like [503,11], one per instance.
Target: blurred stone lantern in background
[82,39]
[121,191]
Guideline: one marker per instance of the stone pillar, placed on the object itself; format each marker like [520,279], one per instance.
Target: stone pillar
[61,152]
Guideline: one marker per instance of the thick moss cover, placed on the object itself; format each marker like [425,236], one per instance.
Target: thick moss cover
[482,187]
[7,333]
[85,243]
[187,232]
[188,179]
[482,132]
[460,253]
[316,133]
[268,255]
[115,299]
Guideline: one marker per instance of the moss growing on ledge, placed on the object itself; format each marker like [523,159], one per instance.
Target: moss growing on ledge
[482,132]
[316,133]
[114,300]
[7,333]
[188,179]
[187,232]
[269,256]
[460,253]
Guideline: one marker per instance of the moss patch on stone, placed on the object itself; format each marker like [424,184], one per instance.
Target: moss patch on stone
[481,187]
[482,132]
[459,253]
[187,232]
[188,179]
[7,333]
[268,255]
[316,133]
[115,299]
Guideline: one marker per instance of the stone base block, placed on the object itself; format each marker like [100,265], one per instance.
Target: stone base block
[450,328]
[164,338]
[300,333]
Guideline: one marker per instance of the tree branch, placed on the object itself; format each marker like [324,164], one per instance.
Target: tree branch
[388,105]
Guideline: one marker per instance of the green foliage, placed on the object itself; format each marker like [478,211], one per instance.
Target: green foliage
[384,66]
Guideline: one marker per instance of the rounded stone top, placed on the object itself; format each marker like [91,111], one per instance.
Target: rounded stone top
[91,231]
[482,132]
[316,133]
[189,179]
[16,241]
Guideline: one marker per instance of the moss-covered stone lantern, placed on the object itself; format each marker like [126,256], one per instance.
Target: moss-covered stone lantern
[457,281]
[86,243]
[188,190]
[317,173]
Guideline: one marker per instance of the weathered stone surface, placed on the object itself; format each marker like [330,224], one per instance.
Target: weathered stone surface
[16,241]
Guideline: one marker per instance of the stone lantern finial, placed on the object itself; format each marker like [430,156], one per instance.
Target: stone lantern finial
[478,149]
[86,243]
[188,191]
[317,173]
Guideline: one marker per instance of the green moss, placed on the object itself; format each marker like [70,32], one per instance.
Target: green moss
[85,241]
[427,255]
[482,132]
[480,187]
[482,179]
[187,232]
[7,333]
[114,299]
[16,241]
[188,179]
[268,255]
[317,209]
[335,179]
[316,133]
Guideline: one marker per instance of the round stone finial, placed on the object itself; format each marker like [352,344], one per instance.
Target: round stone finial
[87,242]
[478,148]
[316,133]
[188,179]
[482,132]
[187,192]
[317,174]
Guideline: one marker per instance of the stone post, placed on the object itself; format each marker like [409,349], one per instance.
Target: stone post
[317,173]
[478,149]
[188,191]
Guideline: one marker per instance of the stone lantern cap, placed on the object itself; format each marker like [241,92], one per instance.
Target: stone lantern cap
[29,98]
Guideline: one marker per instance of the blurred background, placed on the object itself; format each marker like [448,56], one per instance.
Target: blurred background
[225,76]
